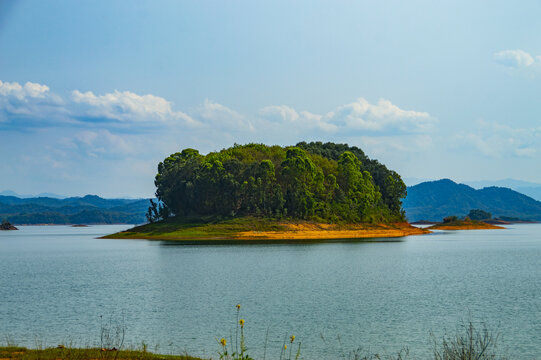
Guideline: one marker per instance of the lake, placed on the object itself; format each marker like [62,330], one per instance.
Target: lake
[56,282]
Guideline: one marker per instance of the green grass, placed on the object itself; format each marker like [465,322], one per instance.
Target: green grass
[220,228]
[199,228]
[67,353]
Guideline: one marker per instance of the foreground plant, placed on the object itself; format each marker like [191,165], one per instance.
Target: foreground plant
[235,355]
[240,347]
[469,343]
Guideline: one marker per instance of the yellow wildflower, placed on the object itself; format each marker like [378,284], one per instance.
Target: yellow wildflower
[238,306]
[292,338]
[223,342]
[241,322]
[285,347]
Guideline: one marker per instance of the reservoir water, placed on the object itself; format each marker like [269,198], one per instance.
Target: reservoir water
[56,282]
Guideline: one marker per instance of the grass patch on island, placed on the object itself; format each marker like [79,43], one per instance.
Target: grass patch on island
[209,227]
[260,228]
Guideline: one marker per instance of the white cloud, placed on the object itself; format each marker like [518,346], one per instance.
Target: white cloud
[279,113]
[110,124]
[34,105]
[383,116]
[30,101]
[22,92]
[120,109]
[127,106]
[515,58]
[221,117]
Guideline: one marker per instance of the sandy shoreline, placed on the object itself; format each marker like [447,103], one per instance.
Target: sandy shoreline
[326,231]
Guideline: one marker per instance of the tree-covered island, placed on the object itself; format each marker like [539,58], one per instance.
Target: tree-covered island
[254,191]
[6,225]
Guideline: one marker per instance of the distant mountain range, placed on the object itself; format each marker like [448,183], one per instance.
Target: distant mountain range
[531,189]
[434,200]
[13,193]
[90,209]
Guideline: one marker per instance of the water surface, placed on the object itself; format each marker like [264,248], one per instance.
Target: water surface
[56,281]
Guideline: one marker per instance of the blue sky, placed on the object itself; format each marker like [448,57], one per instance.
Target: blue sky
[93,94]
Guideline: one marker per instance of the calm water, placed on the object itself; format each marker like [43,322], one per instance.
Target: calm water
[55,282]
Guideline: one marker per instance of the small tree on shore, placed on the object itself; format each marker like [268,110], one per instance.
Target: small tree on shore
[478,214]
[449,219]
[157,212]
[6,225]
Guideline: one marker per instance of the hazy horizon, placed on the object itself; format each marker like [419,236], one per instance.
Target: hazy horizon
[94,94]
[514,184]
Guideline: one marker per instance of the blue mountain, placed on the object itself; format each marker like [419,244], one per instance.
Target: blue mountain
[434,200]
[89,209]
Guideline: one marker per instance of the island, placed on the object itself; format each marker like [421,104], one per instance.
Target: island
[454,223]
[257,192]
[253,229]
[6,225]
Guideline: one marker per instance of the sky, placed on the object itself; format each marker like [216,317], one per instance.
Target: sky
[94,94]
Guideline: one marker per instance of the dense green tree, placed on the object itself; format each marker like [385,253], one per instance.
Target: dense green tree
[388,182]
[328,182]
[450,219]
[478,214]
[175,181]
[359,194]
[301,179]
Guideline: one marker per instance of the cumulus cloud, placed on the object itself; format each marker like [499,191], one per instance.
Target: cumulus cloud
[111,124]
[120,109]
[22,92]
[29,101]
[516,58]
[279,113]
[383,116]
[34,105]
[127,106]
[220,116]
[359,116]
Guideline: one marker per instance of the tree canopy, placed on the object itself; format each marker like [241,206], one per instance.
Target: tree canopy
[324,182]
[478,214]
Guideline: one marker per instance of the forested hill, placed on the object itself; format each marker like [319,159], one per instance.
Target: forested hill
[90,209]
[435,200]
[317,181]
